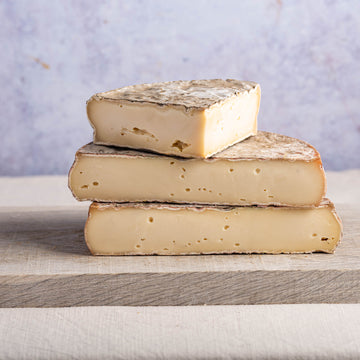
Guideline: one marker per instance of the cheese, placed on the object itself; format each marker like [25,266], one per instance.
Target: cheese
[164,229]
[263,169]
[185,118]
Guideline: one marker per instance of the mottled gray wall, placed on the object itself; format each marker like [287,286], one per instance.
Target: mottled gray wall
[56,54]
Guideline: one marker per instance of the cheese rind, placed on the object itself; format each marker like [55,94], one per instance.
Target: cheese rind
[164,229]
[263,169]
[185,118]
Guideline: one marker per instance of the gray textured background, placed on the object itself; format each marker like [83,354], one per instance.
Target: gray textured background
[56,54]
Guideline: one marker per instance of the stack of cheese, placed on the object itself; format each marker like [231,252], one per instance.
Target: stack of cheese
[202,180]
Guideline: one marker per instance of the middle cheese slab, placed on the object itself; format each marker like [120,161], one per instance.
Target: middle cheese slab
[266,169]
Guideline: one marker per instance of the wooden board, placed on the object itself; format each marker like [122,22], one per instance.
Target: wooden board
[44,262]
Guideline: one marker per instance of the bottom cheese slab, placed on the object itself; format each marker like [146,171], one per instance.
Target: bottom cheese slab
[168,229]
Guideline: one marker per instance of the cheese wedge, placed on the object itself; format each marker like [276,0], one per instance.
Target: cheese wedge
[164,229]
[186,118]
[263,169]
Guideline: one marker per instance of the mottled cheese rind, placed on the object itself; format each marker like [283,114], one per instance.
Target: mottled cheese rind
[325,203]
[194,94]
[263,146]
[168,229]
[266,169]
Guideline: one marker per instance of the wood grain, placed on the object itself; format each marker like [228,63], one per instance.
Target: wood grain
[44,262]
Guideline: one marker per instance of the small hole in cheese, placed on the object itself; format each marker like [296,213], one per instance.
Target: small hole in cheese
[95,183]
[166,249]
[81,172]
[237,244]
[226,227]
[198,241]
[142,239]
[220,194]
[242,199]
[189,243]
[231,170]
[137,246]
[324,238]
[182,176]
[84,186]
[151,219]
[205,239]
[314,234]
[180,145]
[257,171]
[171,194]
[172,162]
[183,169]
[187,189]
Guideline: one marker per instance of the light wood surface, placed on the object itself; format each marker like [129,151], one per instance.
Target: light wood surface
[44,262]
[258,332]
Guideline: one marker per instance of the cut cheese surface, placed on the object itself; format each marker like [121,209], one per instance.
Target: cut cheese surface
[185,118]
[168,229]
[263,169]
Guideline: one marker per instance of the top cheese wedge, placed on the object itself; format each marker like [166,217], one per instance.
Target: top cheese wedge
[185,118]
[266,169]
